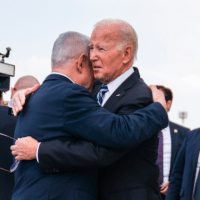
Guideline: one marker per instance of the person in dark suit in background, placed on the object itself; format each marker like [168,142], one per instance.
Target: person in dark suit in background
[7,126]
[113,48]
[185,177]
[171,139]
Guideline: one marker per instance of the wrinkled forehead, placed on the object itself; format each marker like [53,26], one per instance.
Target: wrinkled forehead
[105,33]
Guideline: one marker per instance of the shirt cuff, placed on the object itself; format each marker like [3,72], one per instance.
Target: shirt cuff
[37,157]
[10,103]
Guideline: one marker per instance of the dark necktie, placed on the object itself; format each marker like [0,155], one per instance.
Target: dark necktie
[101,94]
[160,157]
[197,188]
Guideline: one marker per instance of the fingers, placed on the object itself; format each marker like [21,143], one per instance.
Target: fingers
[164,185]
[16,153]
[20,97]
[16,104]
[25,148]
[164,188]
[34,88]
[13,149]
[164,191]
[158,96]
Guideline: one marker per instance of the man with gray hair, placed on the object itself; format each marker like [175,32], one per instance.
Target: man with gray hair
[61,111]
[119,89]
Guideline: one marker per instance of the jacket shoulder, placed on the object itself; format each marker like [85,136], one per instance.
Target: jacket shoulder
[175,125]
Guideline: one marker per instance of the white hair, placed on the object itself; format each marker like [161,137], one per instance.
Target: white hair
[68,46]
[127,34]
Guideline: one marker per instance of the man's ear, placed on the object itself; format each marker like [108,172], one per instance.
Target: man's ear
[128,54]
[81,62]
[169,104]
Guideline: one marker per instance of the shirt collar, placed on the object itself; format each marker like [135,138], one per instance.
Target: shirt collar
[62,75]
[112,86]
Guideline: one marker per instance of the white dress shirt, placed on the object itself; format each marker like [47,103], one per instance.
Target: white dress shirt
[112,86]
[166,153]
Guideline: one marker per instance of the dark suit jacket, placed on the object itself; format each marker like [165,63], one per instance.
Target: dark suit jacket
[134,175]
[183,173]
[60,109]
[7,126]
[178,133]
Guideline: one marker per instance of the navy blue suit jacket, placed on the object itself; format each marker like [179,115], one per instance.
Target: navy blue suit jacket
[61,109]
[7,126]
[183,173]
[135,179]
[177,133]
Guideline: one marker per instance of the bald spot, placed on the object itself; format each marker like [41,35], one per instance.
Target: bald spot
[26,82]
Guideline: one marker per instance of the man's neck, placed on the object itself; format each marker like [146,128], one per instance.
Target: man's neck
[62,73]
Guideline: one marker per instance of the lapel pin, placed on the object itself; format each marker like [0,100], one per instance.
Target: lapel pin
[118,95]
[175,131]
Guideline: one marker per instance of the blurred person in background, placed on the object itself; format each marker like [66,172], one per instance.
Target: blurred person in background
[7,126]
[185,176]
[170,141]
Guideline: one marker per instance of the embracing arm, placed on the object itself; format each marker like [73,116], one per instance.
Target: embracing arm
[64,155]
[67,154]
[85,120]
[96,124]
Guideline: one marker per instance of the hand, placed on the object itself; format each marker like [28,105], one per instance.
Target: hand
[25,148]
[164,188]
[158,96]
[19,98]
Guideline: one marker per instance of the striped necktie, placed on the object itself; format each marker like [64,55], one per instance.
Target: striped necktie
[101,94]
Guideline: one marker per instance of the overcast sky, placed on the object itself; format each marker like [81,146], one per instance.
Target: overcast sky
[168,33]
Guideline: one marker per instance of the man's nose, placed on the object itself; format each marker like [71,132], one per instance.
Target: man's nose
[93,55]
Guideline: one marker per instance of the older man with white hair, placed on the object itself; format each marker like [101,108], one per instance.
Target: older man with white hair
[119,89]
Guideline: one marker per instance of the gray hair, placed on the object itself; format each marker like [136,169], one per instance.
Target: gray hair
[127,34]
[69,46]
[25,82]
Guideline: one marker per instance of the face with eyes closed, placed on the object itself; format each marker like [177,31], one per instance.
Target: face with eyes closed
[105,56]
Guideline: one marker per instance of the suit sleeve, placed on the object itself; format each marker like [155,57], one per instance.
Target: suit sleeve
[64,155]
[69,155]
[177,174]
[97,125]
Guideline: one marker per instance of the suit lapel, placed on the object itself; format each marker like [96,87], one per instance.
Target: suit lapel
[195,154]
[174,143]
[121,90]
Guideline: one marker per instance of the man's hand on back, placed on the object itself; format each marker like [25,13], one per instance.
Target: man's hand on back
[20,97]
[158,96]
[25,148]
